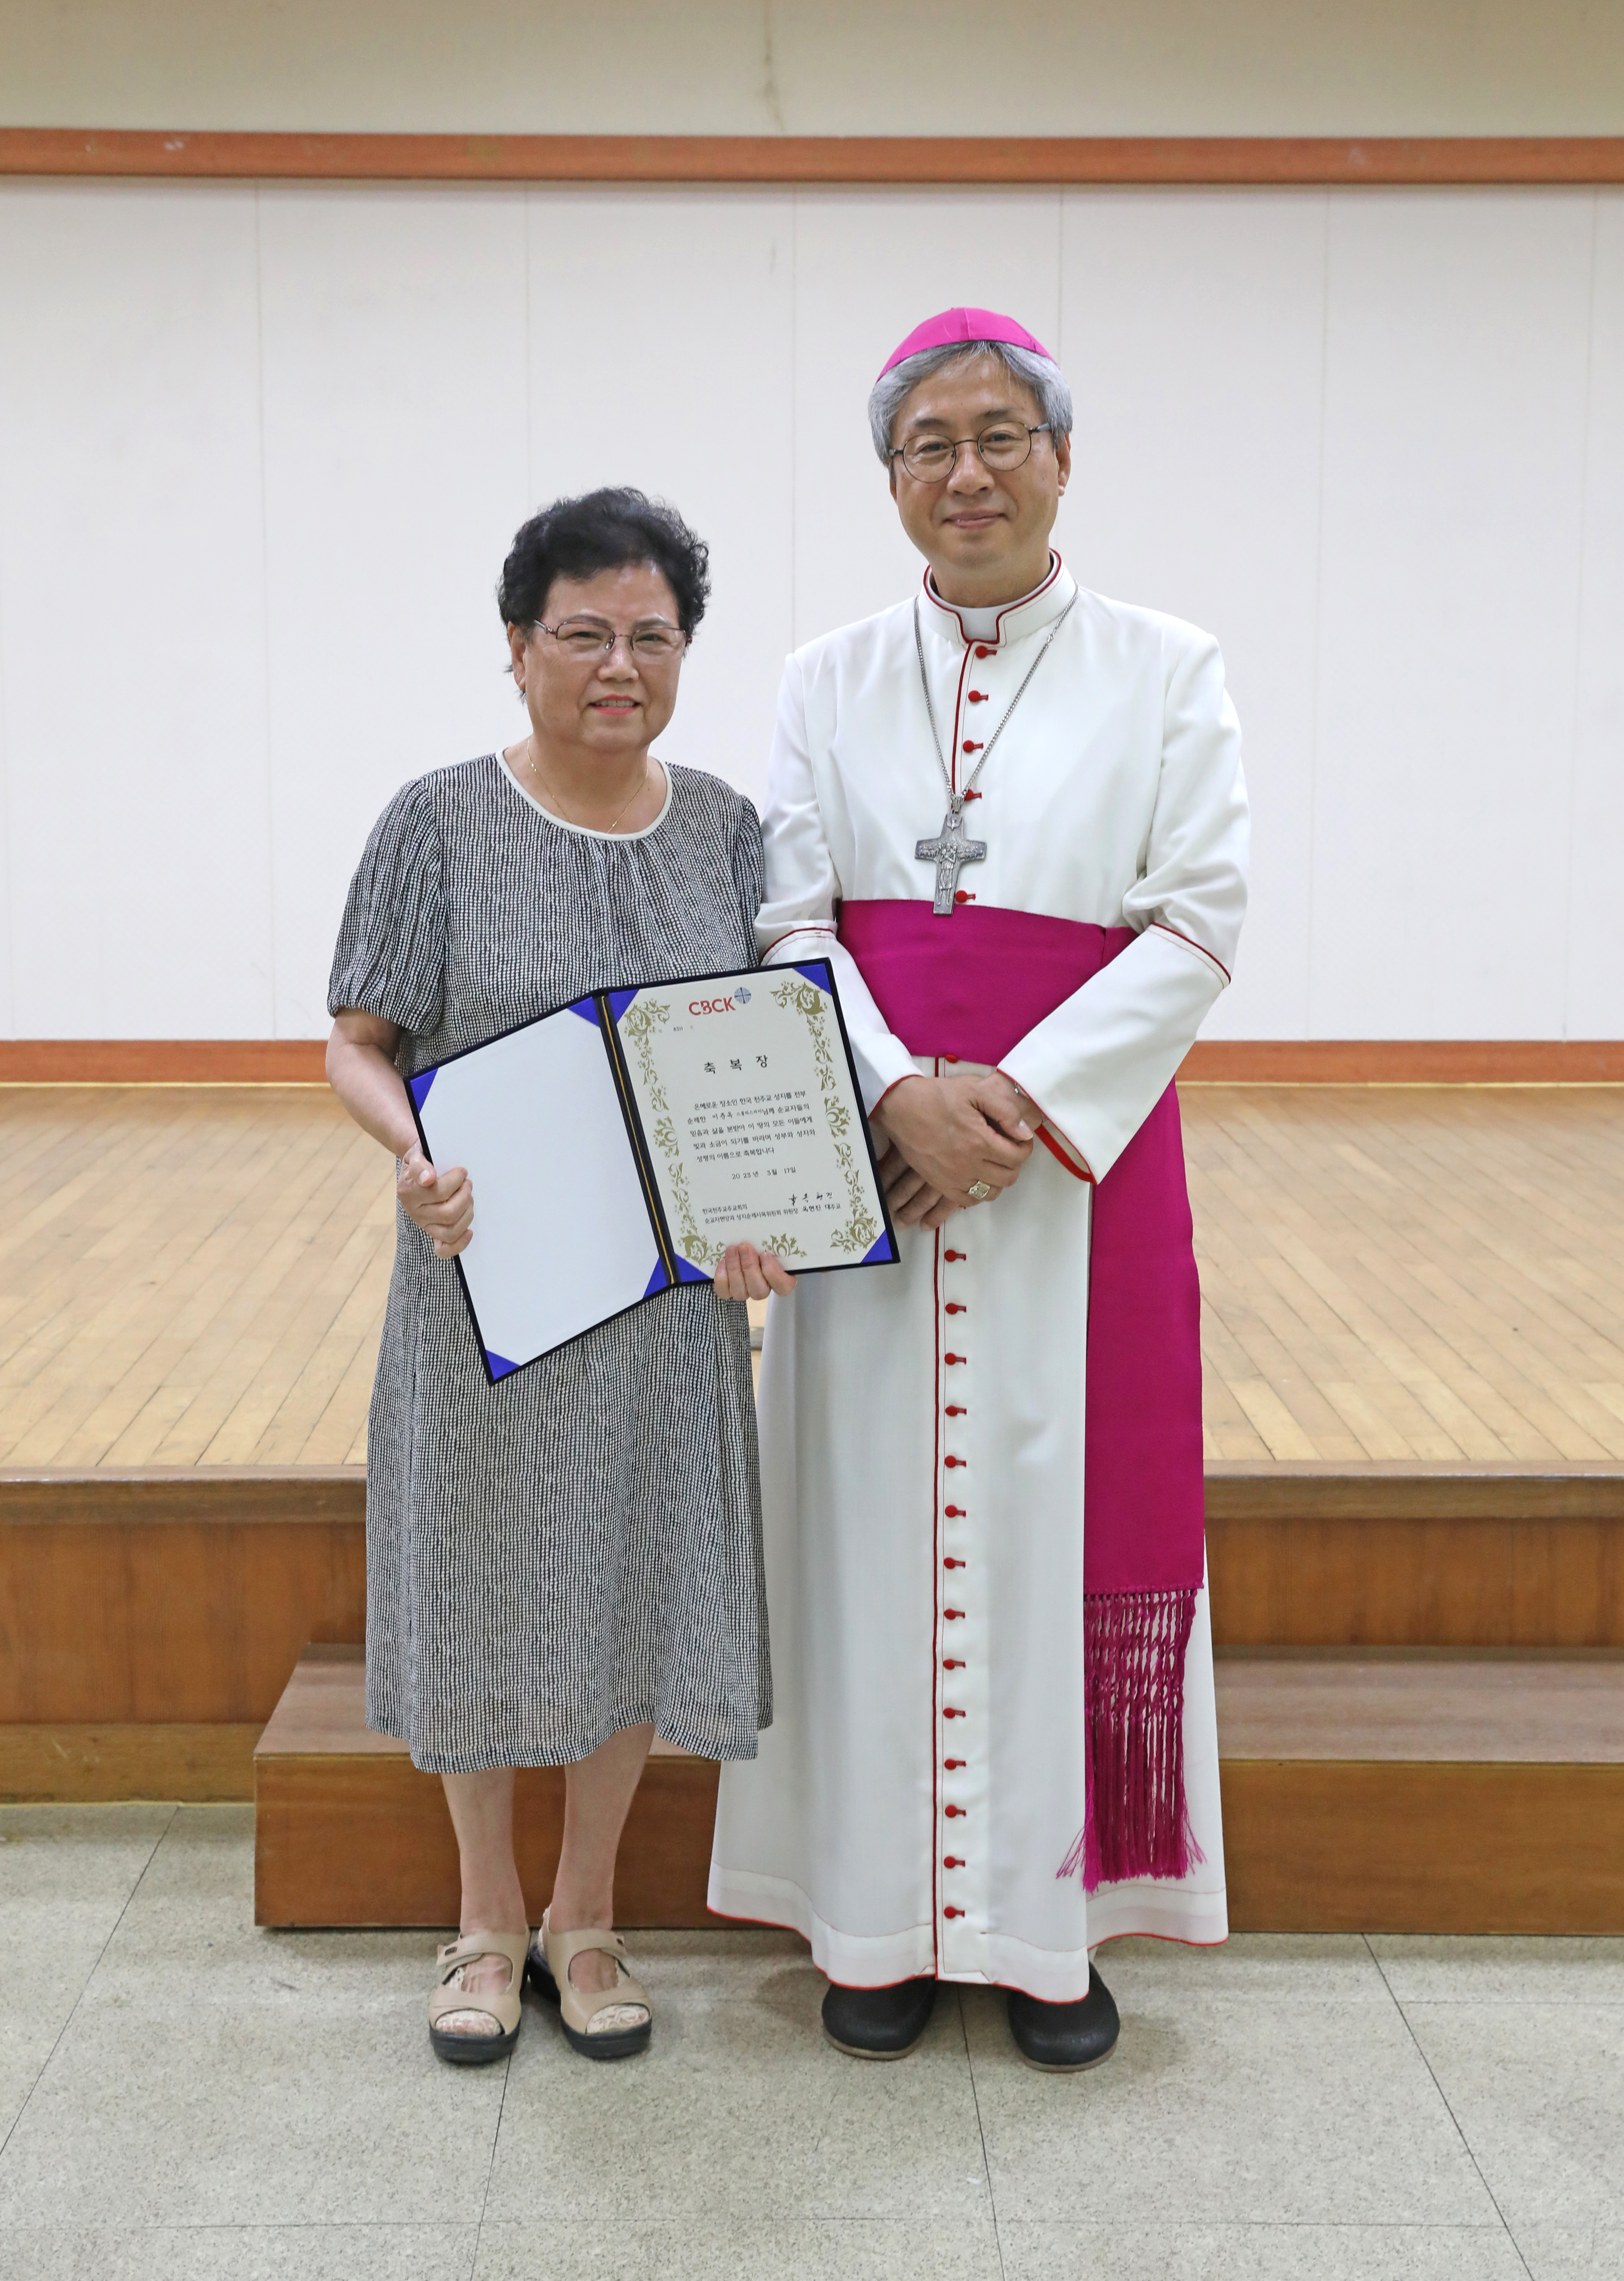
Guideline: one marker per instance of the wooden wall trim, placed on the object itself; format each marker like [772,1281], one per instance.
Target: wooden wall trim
[1282,1061]
[1237,1490]
[1405,1061]
[163,1061]
[1295,1494]
[236,1496]
[1283,160]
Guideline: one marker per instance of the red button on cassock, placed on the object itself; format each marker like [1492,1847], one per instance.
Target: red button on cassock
[952,1663]
[955,1461]
[982,649]
[956,1512]
[951,1563]
[957,1307]
[952,1861]
[954,1357]
[954,1615]
[953,1254]
[971,746]
[978,697]
[946,1713]
[953,1766]
[955,1813]
[953,1912]
[957,1410]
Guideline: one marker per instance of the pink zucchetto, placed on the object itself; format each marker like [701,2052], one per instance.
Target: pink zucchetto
[951,325]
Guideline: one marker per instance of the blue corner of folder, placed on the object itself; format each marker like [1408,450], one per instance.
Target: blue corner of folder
[587,1008]
[498,1364]
[619,1000]
[687,1272]
[657,1281]
[420,1086]
[817,972]
[876,1254]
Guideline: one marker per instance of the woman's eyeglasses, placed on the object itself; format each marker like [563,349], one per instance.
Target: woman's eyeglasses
[588,639]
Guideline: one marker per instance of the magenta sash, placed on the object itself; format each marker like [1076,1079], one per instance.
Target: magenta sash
[972,986]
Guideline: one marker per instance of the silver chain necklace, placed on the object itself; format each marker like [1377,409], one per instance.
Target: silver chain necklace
[950,850]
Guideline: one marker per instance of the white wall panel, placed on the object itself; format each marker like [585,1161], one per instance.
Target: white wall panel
[867,269]
[132,611]
[300,426]
[1192,330]
[396,470]
[661,355]
[1453,487]
[1594,901]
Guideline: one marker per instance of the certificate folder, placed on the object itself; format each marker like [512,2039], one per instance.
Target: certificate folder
[618,1145]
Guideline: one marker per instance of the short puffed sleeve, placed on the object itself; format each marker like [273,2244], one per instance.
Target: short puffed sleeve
[390,959]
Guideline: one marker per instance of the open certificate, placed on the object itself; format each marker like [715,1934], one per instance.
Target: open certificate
[618,1146]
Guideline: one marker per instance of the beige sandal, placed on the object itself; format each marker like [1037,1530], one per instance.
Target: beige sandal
[600,2022]
[452,2000]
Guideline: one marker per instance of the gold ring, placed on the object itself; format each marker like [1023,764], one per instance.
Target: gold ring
[979,1190]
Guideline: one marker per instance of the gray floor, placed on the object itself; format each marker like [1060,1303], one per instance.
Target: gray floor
[183,2096]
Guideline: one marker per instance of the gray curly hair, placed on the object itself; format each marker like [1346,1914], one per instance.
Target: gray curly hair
[1044,377]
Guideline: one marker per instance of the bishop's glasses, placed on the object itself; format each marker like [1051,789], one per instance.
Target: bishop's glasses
[1002,446]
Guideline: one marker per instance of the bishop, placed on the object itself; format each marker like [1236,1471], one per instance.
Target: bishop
[994,1746]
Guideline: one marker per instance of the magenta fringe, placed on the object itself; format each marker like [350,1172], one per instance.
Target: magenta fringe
[1136,1822]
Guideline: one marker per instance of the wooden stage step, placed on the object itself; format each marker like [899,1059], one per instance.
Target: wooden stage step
[1404,1790]
[149,1619]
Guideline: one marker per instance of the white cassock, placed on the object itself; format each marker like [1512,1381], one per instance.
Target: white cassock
[924,1775]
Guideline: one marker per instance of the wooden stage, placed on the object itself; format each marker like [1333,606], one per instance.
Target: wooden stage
[1425,1275]
[1414,1330]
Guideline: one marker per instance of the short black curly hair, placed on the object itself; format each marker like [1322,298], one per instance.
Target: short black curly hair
[603,530]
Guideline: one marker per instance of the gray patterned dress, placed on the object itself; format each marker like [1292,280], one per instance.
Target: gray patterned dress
[578,1548]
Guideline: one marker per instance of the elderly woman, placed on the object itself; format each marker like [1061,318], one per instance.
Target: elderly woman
[563,1565]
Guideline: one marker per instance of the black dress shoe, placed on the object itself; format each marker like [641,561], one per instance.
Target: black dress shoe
[878,2024]
[1064,2039]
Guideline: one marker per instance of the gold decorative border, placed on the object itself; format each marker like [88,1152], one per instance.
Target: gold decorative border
[640,1022]
[860,1232]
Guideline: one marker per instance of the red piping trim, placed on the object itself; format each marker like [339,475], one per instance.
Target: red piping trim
[936,1577]
[948,610]
[1194,945]
[1173,1939]
[1058,1154]
[817,926]
[873,1984]
[1056,567]
[958,715]
[1060,1157]
[892,1087]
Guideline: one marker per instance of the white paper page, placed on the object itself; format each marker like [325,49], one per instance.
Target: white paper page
[751,1121]
[561,1235]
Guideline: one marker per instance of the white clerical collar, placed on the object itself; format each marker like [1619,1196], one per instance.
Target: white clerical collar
[997,627]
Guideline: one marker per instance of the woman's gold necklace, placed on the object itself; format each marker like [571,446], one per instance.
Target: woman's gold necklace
[553,800]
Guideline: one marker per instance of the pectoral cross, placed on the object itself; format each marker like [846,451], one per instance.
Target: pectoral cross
[950,851]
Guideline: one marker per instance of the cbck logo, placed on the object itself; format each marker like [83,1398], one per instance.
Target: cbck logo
[718,1005]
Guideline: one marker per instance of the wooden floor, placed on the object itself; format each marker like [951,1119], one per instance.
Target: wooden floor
[188,1276]
[1425,1274]
[196,1276]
